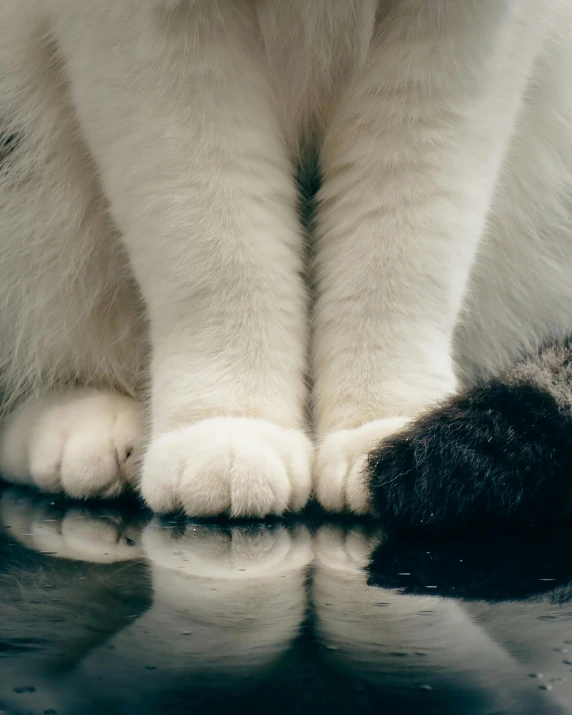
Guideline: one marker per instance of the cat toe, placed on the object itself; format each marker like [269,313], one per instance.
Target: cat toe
[340,475]
[83,443]
[235,466]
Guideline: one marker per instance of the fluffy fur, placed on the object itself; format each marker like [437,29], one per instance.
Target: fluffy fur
[151,244]
[497,454]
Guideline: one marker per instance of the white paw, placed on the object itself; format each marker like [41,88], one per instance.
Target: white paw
[340,479]
[81,442]
[95,535]
[228,465]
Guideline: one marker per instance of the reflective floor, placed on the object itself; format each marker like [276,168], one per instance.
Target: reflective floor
[107,610]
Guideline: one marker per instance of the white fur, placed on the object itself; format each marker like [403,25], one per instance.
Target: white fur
[84,442]
[341,461]
[150,242]
[240,466]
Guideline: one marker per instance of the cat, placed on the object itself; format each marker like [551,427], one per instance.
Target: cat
[159,330]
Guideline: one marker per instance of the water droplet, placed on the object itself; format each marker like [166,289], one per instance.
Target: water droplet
[150,667]
[545,687]
[561,650]
[567,662]
[24,689]
[536,675]
[430,586]
[425,687]
[404,573]
[186,633]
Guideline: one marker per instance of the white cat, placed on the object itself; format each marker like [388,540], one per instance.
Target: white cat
[150,242]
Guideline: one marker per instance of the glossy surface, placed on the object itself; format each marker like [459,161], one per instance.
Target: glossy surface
[107,610]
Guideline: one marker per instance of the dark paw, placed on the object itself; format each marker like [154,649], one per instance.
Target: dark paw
[494,457]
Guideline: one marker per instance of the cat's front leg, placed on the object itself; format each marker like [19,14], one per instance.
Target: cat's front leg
[180,120]
[409,165]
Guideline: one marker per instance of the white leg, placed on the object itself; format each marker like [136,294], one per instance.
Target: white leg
[83,442]
[410,163]
[200,185]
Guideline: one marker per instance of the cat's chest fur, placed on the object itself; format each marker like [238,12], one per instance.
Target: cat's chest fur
[312,50]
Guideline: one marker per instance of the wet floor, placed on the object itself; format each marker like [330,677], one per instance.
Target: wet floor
[108,610]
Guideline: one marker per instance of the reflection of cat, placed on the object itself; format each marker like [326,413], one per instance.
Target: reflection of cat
[429,654]
[222,607]
[218,619]
[55,611]
[151,244]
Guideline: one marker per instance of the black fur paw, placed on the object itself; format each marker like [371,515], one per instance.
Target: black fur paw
[493,457]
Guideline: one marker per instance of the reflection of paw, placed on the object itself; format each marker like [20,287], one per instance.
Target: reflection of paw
[81,442]
[239,466]
[346,550]
[239,552]
[340,476]
[239,589]
[95,535]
